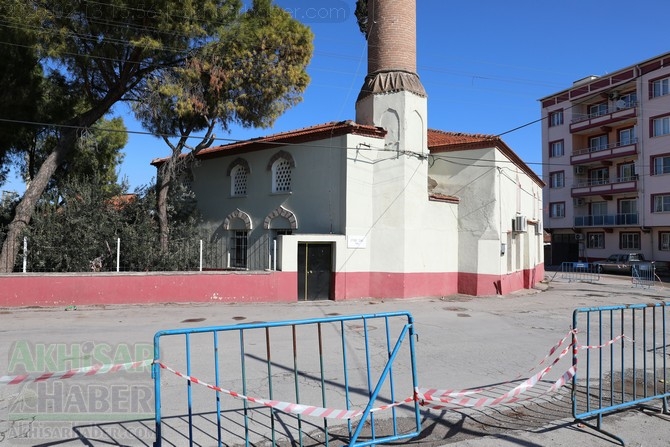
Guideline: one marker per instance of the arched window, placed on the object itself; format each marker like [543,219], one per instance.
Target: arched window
[281,165]
[238,181]
[281,176]
[238,171]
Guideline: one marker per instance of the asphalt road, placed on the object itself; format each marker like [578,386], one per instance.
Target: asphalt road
[463,342]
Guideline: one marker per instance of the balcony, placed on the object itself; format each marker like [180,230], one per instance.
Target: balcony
[616,114]
[605,187]
[613,150]
[607,220]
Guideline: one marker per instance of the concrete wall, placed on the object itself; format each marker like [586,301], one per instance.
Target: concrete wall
[492,193]
[133,288]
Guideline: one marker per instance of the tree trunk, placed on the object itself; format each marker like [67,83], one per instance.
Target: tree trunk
[37,186]
[26,207]
[164,179]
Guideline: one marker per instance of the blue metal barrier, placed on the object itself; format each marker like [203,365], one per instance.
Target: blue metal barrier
[579,271]
[627,364]
[643,274]
[362,362]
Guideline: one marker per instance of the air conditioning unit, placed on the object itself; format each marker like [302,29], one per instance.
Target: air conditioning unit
[578,201]
[580,170]
[520,224]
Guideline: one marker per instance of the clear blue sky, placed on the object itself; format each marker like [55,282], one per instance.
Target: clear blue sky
[484,64]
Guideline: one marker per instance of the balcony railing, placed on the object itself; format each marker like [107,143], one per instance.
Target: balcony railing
[605,186]
[605,147]
[607,220]
[597,182]
[582,122]
[579,117]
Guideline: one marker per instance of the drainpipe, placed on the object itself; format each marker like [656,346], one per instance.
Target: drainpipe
[641,176]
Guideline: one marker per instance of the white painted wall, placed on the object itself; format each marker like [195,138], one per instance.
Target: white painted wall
[492,192]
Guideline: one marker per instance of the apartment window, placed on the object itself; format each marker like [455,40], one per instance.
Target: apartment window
[629,241]
[556,118]
[238,180]
[238,249]
[661,165]
[598,109]
[660,87]
[599,208]
[661,203]
[595,240]
[281,176]
[626,101]
[598,143]
[627,136]
[628,206]
[660,126]
[627,172]
[664,241]
[557,209]
[556,149]
[599,176]
[557,179]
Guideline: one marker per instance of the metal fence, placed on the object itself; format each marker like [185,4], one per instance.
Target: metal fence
[122,255]
[579,271]
[621,360]
[303,382]
[643,275]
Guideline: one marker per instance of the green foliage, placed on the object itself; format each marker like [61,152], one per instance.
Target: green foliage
[77,231]
[248,73]
[362,16]
[21,76]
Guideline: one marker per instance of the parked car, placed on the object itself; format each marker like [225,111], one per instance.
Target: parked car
[623,263]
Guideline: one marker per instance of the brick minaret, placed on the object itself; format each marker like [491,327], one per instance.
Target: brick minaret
[391,48]
[392,95]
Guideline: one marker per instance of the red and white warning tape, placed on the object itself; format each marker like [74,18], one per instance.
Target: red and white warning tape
[287,407]
[86,371]
[428,397]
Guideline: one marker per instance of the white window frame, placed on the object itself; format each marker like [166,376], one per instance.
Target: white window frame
[629,241]
[555,118]
[599,176]
[595,240]
[626,172]
[628,206]
[661,165]
[660,126]
[557,179]
[599,143]
[664,240]
[556,149]
[627,136]
[598,109]
[661,203]
[660,87]
[557,209]
[599,208]
[629,100]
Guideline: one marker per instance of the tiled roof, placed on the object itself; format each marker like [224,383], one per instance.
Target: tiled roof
[297,136]
[440,138]
[440,141]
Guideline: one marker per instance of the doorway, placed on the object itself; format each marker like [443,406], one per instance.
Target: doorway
[315,267]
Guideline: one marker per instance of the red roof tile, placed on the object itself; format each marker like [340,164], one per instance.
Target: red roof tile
[440,141]
[297,136]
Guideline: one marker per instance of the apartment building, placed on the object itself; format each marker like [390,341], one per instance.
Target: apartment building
[606,163]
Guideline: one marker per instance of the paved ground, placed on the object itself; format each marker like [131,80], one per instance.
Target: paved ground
[463,342]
